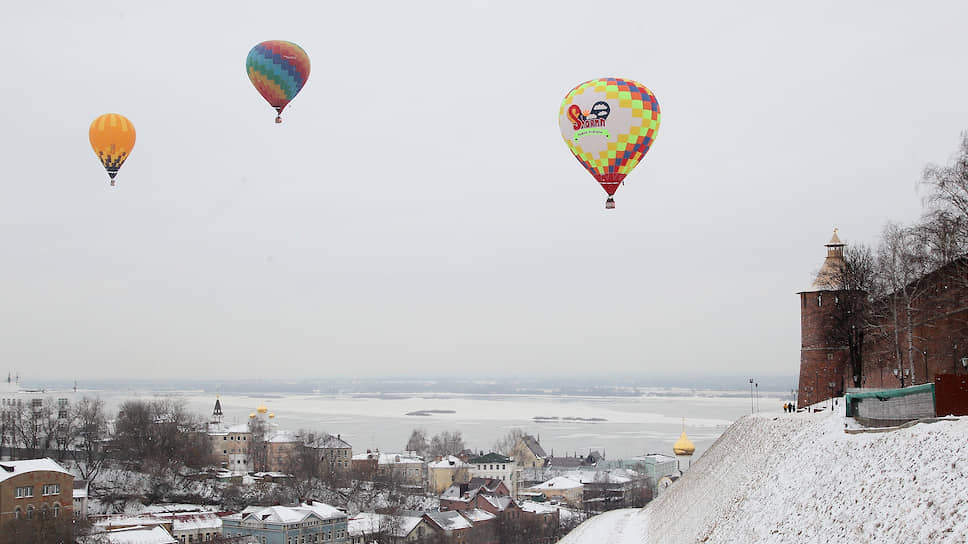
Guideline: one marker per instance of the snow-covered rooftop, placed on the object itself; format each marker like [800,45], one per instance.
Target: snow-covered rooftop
[558,482]
[591,476]
[133,535]
[476,515]
[288,514]
[329,442]
[449,462]
[393,458]
[449,521]
[126,520]
[501,502]
[284,437]
[368,523]
[191,522]
[9,469]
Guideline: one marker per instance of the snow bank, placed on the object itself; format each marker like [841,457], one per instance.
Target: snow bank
[798,478]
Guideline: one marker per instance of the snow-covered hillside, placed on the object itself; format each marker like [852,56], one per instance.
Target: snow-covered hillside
[796,478]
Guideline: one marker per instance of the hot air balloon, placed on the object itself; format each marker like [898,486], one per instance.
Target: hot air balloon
[112,137]
[609,124]
[278,69]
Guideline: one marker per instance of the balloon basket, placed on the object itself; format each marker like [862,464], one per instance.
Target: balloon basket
[609,204]
[112,183]
[278,120]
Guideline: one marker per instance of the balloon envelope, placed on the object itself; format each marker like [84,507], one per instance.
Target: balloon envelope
[278,69]
[609,124]
[112,138]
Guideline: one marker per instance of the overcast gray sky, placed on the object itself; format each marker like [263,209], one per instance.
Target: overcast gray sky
[417,212]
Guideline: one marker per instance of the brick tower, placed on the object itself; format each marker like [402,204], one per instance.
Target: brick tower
[824,354]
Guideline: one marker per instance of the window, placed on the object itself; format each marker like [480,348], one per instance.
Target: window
[17,513]
[56,510]
[51,489]
[23,492]
[30,512]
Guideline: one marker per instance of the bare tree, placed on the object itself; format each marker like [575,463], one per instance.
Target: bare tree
[901,268]
[161,433]
[505,445]
[446,443]
[418,442]
[29,433]
[90,429]
[947,188]
[259,448]
[851,317]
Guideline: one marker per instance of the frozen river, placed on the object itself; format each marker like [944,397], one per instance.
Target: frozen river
[623,426]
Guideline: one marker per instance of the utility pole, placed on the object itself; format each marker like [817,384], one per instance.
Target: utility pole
[752,405]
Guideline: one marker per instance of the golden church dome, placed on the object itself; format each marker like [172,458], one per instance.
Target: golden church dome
[262,409]
[252,415]
[684,446]
[272,415]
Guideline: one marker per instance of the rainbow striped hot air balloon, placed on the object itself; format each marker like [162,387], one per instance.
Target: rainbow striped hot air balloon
[278,69]
[112,138]
[609,124]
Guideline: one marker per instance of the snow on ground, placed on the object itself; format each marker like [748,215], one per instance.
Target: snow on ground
[799,478]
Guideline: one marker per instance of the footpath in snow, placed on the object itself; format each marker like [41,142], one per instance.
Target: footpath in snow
[799,478]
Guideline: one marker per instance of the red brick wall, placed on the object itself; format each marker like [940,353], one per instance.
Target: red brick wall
[37,479]
[939,338]
[822,361]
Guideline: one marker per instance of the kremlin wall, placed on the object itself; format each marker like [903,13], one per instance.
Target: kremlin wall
[893,355]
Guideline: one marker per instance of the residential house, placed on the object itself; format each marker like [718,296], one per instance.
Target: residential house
[547,516]
[364,465]
[528,452]
[192,527]
[499,505]
[35,487]
[495,466]
[282,448]
[365,527]
[484,525]
[405,468]
[455,527]
[460,496]
[445,472]
[231,447]
[608,489]
[561,489]
[308,523]
[333,451]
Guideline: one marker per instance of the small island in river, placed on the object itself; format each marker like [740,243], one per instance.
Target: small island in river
[430,412]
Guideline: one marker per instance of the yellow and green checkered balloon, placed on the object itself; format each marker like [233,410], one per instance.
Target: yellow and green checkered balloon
[609,124]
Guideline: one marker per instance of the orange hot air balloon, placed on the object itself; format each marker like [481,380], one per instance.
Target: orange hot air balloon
[112,137]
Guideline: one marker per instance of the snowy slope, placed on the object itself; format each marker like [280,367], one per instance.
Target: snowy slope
[797,478]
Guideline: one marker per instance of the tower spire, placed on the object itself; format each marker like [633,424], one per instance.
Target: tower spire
[217,412]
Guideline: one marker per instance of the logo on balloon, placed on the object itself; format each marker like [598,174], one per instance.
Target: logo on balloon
[591,121]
